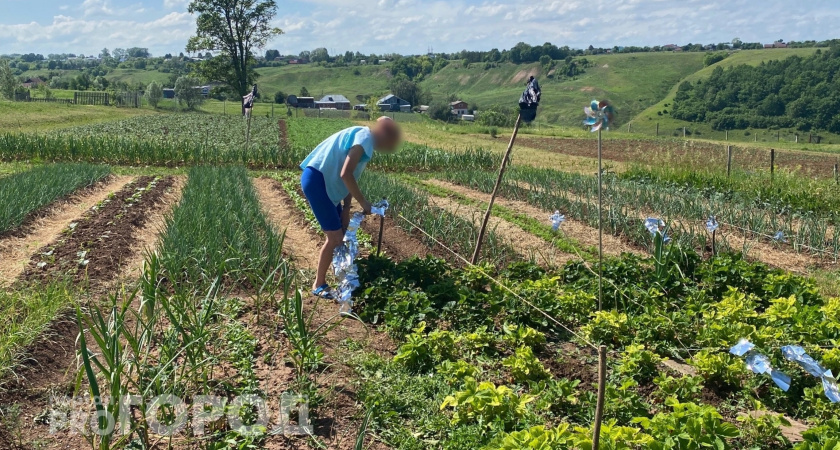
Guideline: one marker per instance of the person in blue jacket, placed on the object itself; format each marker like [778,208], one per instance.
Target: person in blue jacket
[330,176]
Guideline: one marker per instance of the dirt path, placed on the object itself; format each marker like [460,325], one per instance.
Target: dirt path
[578,231]
[338,418]
[530,247]
[15,251]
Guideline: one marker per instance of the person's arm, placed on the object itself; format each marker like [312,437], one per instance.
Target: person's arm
[353,158]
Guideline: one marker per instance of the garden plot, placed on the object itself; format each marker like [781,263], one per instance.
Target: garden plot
[97,246]
[16,250]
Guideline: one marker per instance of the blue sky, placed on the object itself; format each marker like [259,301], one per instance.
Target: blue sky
[412,26]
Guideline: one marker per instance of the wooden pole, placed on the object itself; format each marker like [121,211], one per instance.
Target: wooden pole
[657,129]
[248,134]
[600,226]
[602,386]
[684,131]
[629,127]
[728,160]
[714,243]
[224,107]
[505,159]
[835,174]
[272,110]
[727,135]
[381,230]
[772,162]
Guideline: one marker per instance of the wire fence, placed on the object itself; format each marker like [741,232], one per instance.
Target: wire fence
[654,129]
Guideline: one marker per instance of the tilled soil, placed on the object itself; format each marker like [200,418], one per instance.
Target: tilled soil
[96,247]
[703,153]
[338,418]
[17,247]
[49,367]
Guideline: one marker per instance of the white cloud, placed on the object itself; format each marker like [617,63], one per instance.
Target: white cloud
[411,26]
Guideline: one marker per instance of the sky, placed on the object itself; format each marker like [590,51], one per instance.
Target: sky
[414,26]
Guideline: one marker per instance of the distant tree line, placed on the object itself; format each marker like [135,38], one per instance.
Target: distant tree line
[796,92]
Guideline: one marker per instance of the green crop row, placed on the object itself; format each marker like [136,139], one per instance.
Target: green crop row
[192,139]
[219,231]
[628,202]
[459,234]
[23,193]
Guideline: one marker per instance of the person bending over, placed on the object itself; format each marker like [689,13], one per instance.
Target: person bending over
[330,176]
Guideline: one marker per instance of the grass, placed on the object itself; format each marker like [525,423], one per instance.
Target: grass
[218,231]
[26,315]
[28,117]
[26,192]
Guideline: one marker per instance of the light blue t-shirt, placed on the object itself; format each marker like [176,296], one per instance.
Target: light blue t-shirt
[329,156]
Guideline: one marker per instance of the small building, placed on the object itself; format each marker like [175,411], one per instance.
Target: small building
[168,93]
[670,47]
[360,107]
[383,61]
[468,118]
[776,45]
[334,102]
[459,108]
[392,103]
[32,83]
[301,102]
[423,109]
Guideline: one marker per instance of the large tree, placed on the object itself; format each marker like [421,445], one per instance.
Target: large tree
[234,29]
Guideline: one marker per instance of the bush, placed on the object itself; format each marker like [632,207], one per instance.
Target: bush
[154,93]
[187,93]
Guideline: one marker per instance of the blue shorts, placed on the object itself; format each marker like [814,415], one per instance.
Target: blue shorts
[315,190]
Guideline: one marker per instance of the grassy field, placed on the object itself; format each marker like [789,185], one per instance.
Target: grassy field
[50,116]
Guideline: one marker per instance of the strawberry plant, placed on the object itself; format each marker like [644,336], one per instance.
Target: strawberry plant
[486,404]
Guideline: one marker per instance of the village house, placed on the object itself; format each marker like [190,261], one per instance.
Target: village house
[459,108]
[392,103]
[333,102]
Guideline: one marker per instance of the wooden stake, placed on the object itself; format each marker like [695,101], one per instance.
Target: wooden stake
[727,135]
[684,131]
[381,230]
[772,162]
[657,129]
[602,386]
[835,174]
[629,127]
[728,160]
[505,159]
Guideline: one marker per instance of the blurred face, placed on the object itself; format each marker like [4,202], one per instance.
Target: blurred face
[388,135]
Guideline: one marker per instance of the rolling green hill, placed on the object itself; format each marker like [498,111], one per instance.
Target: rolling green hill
[640,85]
[751,57]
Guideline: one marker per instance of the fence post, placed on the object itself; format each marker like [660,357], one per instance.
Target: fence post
[835,173]
[629,127]
[772,162]
[756,137]
[728,160]
[727,135]
[796,138]
[778,136]
[684,131]
[810,137]
[224,107]
[602,386]
[272,110]
[657,129]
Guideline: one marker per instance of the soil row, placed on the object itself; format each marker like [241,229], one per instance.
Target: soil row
[97,245]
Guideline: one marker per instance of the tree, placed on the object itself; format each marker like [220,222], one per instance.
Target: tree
[440,111]
[407,90]
[234,29]
[271,55]
[8,82]
[154,93]
[119,54]
[187,93]
[304,92]
[105,54]
[280,97]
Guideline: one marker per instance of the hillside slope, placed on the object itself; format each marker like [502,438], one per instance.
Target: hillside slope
[751,57]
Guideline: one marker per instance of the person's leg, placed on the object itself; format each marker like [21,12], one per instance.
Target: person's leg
[328,216]
[334,239]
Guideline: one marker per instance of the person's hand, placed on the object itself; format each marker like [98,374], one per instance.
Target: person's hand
[365,207]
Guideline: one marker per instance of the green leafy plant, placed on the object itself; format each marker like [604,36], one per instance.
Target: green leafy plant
[638,363]
[689,426]
[487,405]
[524,366]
